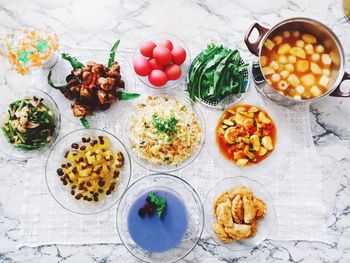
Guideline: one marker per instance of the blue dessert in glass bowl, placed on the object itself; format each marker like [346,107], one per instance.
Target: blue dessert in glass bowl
[147,226]
[155,223]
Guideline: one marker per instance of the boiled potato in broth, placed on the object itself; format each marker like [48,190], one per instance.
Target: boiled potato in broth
[296,64]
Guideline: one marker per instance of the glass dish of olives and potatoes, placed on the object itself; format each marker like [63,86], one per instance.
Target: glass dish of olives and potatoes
[30,122]
[87,171]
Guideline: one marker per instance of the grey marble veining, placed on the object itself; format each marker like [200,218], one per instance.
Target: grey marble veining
[98,23]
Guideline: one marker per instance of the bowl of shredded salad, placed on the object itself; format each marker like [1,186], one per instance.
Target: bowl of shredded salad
[164,131]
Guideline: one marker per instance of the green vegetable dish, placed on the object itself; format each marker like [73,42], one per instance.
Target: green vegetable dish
[216,73]
[30,124]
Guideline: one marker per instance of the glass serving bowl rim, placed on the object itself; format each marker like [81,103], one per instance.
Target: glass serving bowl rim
[47,146]
[173,95]
[244,177]
[115,201]
[184,73]
[179,179]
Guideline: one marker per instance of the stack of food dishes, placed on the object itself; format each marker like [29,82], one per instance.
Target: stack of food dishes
[160,217]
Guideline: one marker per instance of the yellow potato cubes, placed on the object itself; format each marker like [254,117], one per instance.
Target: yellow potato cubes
[323,81]
[284,49]
[308,38]
[293,80]
[308,80]
[298,65]
[302,65]
[269,44]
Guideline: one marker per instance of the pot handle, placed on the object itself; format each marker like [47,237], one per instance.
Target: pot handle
[254,47]
[337,92]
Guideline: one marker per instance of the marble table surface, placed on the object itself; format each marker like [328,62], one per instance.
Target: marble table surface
[98,23]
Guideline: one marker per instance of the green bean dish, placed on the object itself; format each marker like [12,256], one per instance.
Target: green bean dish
[30,124]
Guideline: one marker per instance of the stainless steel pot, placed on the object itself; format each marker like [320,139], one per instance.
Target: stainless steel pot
[330,41]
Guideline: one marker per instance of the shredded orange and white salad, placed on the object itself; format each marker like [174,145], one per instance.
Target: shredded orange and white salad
[164,131]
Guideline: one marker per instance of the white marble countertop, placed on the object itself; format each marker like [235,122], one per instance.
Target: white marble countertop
[98,23]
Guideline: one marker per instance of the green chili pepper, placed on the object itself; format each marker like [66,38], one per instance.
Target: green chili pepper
[127,96]
[85,123]
[49,81]
[112,54]
[74,62]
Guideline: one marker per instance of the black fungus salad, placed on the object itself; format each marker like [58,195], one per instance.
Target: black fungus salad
[30,124]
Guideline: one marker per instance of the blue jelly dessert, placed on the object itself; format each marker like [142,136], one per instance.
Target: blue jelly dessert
[157,220]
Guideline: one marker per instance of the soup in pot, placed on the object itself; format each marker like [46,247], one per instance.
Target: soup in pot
[296,64]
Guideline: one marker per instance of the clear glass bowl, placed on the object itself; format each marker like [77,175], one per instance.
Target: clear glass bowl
[266,224]
[171,95]
[274,157]
[6,147]
[61,193]
[176,42]
[194,212]
[63,68]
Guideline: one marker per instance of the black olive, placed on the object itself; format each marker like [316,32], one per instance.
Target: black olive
[85,139]
[60,172]
[116,174]
[75,145]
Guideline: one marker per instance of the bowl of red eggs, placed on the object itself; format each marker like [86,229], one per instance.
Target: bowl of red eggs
[161,61]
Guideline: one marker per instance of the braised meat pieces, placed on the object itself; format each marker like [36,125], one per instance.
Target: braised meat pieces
[93,87]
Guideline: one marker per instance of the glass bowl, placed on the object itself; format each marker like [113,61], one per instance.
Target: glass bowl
[127,136]
[63,68]
[17,94]
[176,42]
[61,193]
[265,225]
[193,206]
[272,160]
